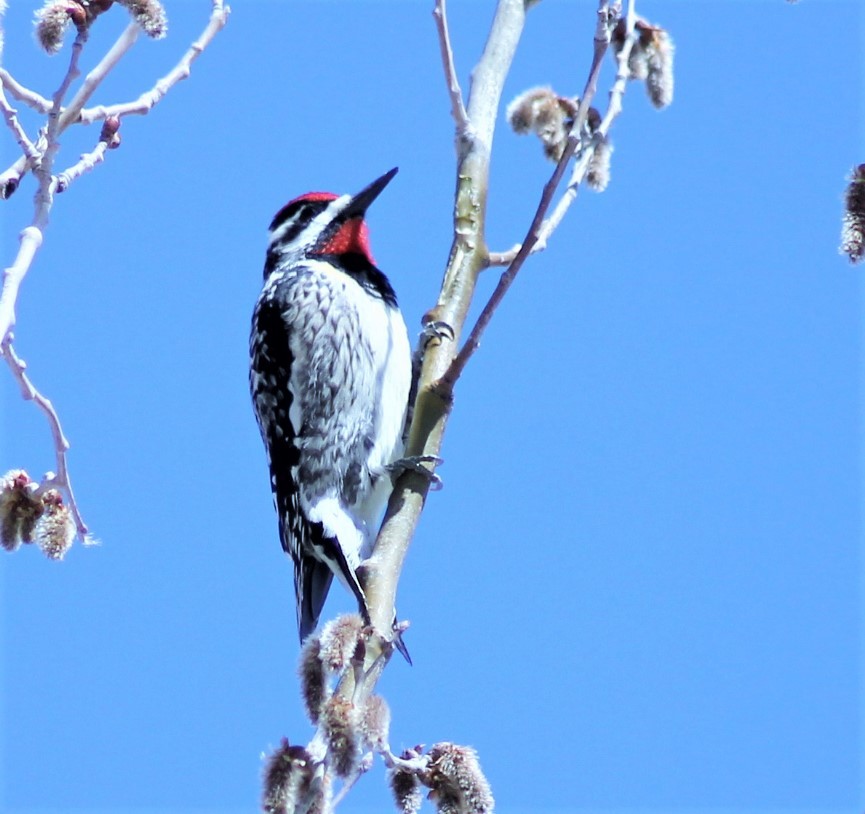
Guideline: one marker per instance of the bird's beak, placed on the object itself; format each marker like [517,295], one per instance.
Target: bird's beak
[357,206]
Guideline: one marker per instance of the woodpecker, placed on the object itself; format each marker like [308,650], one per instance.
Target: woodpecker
[330,373]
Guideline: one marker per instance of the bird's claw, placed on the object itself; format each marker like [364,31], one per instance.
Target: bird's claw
[398,629]
[415,463]
[437,330]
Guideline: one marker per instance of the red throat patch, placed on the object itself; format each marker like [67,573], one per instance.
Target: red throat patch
[352,236]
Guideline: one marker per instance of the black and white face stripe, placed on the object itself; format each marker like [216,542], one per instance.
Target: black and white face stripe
[301,225]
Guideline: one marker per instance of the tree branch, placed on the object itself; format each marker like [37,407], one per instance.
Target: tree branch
[108,139]
[95,78]
[30,97]
[467,259]
[31,237]
[458,109]
[40,157]
[75,113]
[606,20]
[61,445]
[145,103]
[31,153]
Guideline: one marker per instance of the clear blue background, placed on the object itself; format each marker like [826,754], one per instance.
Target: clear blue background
[640,587]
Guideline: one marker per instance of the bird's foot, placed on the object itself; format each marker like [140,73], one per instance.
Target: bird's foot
[435,331]
[415,463]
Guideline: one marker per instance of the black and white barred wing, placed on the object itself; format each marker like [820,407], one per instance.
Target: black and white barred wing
[273,399]
[304,371]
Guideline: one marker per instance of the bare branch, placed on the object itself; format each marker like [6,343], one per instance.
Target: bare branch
[458,109]
[61,445]
[145,103]
[614,109]
[40,157]
[63,118]
[31,237]
[75,112]
[30,97]
[31,153]
[108,139]
[92,81]
[467,259]
[29,242]
[363,767]
[606,20]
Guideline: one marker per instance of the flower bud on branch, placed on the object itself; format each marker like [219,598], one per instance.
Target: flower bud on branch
[55,529]
[457,782]
[313,681]
[650,60]
[340,726]
[110,132]
[339,639]
[375,723]
[550,116]
[19,509]
[149,14]
[406,790]
[53,20]
[28,516]
[287,779]
[598,171]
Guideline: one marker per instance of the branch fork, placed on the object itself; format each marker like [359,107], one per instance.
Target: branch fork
[39,156]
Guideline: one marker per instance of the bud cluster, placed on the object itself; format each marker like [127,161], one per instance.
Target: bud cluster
[54,18]
[150,15]
[550,117]
[853,229]
[325,657]
[650,60]
[30,515]
[349,728]
[451,772]
[404,782]
[290,782]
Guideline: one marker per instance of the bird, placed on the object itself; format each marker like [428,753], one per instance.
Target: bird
[330,375]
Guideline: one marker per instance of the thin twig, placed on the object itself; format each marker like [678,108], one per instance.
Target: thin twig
[76,113]
[63,118]
[30,97]
[11,116]
[44,169]
[458,108]
[145,103]
[40,158]
[581,166]
[363,767]
[93,79]
[606,19]
[613,110]
[31,237]
[86,163]
[61,444]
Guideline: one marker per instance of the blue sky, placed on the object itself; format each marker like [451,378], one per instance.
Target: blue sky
[641,585]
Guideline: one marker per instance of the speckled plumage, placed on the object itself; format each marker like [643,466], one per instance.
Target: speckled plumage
[329,376]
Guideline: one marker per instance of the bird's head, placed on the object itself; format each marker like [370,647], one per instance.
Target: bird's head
[321,223]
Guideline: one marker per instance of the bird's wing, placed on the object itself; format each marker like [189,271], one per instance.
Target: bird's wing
[272,398]
[294,406]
